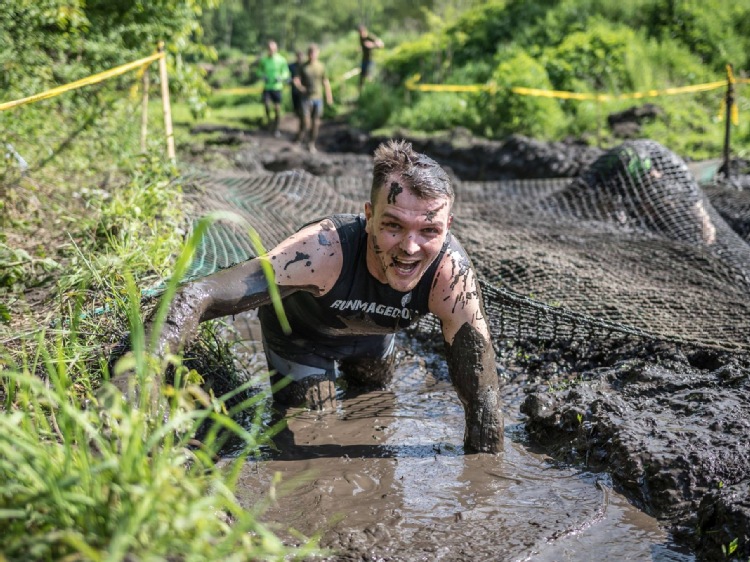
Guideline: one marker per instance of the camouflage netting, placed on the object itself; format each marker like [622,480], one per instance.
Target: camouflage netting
[632,248]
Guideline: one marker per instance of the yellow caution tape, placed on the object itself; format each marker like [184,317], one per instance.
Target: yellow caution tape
[411,84]
[626,96]
[238,91]
[93,79]
[735,113]
[730,74]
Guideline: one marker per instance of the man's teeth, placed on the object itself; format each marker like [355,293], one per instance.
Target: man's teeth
[407,266]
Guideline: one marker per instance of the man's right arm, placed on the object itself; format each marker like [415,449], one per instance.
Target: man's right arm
[310,260]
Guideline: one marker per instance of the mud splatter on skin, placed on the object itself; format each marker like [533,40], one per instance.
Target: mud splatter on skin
[393,192]
[460,271]
[430,215]
[463,299]
[299,257]
[375,246]
[464,269]
[214,297]
[324,236]
[471,364]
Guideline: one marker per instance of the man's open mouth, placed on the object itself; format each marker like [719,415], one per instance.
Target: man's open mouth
[405,267]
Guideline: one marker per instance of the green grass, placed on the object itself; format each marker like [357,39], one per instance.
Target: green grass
[87,472]
[84,473]
[241,112]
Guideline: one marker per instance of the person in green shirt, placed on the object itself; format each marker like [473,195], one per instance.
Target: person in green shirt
[274,72]
[312,82]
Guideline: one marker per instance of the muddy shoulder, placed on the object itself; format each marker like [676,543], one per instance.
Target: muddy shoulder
[670,422]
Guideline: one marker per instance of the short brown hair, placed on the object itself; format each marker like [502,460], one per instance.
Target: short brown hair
[420,173]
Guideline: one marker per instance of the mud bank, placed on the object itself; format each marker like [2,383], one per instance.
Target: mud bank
[669,423]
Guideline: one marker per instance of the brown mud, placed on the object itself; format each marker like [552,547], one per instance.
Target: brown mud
[618,450]
[385,477]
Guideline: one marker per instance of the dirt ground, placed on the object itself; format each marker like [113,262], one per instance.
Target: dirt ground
[638,435]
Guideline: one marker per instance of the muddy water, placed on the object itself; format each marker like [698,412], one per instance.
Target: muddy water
[384,477]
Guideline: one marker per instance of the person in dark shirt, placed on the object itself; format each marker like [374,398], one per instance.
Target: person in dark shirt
[313,83]
[294,68]
[367,42]
[349,283]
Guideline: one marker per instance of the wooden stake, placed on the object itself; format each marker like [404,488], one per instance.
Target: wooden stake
[144,110]
[165,103]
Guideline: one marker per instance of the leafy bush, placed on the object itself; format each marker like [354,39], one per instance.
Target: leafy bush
[705,28]
[376,104]
[438,111]
[505,112]
[423,56]
[598,56]
[661,64]
[480,32]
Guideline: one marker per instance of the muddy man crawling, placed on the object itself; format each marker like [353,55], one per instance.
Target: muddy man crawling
[350,282]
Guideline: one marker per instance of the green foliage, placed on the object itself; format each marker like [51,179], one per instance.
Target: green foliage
[99,477]
[437,112]
[598,57]
[49,43]
[21,270]
[705,28]
[376,104]
[690,123]
[424,56]
[106,475]
[587,46]
[506,112]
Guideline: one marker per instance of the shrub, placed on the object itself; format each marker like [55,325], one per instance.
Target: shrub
[706,28]
[598,56]
[505,112]
[423,56]
[436,111]
[376,104]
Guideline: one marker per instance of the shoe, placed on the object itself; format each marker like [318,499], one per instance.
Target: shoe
[311,149]
[277,133]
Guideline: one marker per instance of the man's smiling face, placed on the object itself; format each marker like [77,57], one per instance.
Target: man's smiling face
[405,234]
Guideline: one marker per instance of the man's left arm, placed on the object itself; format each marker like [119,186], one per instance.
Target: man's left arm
[456,300]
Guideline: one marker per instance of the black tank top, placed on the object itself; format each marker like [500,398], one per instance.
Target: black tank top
[357,311]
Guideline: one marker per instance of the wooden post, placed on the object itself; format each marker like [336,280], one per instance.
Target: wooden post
[728,103]
[165,103]
[144,110]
